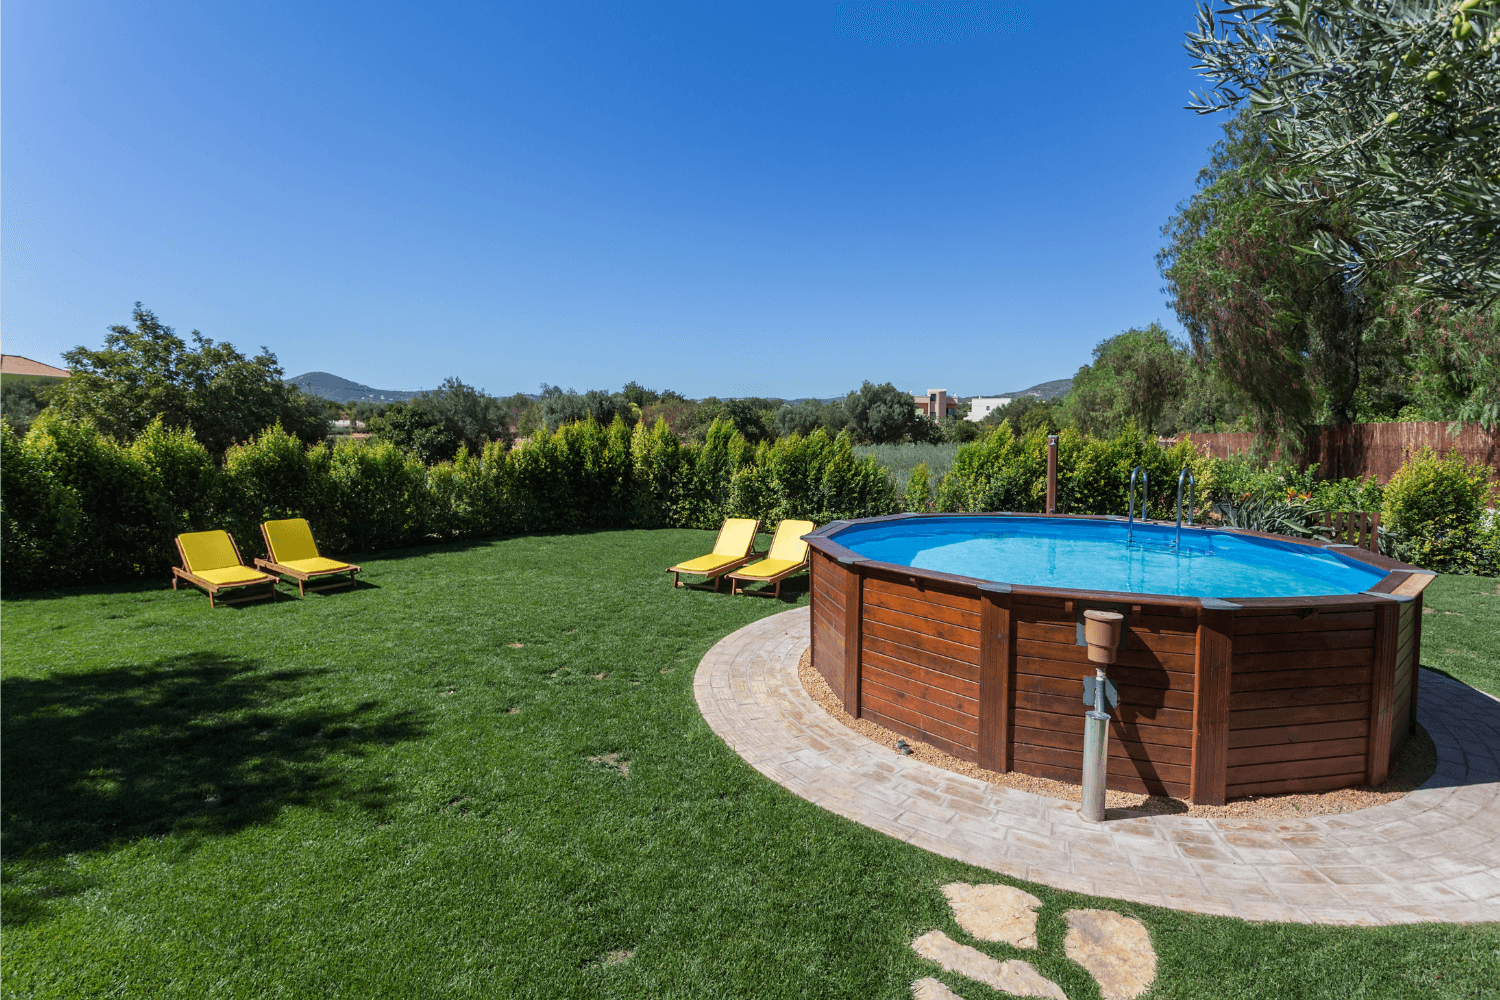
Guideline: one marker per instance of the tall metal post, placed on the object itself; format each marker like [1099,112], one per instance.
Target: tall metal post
[1101,630]
[1052,473]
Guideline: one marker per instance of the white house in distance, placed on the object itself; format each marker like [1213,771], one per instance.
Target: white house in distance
[982,406]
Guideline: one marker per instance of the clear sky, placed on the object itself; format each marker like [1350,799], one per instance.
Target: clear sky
[723,199]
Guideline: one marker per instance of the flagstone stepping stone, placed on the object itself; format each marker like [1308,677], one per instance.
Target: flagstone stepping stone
[928,988]
[1115,949]
[1015,977]
[994,912]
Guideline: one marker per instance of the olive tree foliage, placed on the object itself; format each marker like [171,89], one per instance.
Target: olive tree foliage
[434,425]
[1393,106]
[147,371]
[1296,338]
[1136,375]
[882,414]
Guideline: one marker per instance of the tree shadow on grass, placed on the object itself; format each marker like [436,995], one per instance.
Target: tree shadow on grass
[194,745]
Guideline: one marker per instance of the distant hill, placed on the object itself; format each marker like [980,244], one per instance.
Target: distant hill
[341,390]
[1045,390]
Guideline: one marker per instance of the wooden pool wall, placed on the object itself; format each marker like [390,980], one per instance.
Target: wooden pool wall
[1218,699]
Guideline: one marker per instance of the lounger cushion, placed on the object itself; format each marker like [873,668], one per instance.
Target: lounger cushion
[290,541]
[767,568]
[706,564]
[232,574]
[788,543]
[316,565]
[736,536]
[209,550]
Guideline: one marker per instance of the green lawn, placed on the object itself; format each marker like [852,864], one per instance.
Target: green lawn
[380,794]
[1461,630]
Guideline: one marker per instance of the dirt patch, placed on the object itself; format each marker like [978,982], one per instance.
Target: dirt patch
[1414,764]
[614,762]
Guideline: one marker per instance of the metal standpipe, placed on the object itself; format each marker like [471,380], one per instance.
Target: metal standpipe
[1095,753]
[1102,630]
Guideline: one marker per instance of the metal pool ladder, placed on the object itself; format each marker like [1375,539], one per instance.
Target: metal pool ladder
[1189,473]
[1130,499]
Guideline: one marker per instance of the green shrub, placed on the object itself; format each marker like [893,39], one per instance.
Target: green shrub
[1436,515]
[377,497]
[917,497]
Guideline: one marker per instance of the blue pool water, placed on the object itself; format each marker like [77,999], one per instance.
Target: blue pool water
[1093,555]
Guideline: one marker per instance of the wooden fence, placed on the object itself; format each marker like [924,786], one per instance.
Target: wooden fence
[1361,450]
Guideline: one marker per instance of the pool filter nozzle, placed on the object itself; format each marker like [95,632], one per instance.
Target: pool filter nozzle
[1101,630]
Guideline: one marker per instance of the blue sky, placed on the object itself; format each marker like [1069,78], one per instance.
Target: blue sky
[725,199]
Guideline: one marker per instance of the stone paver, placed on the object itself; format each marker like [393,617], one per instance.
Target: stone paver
[1015,977]
[1433,855]
[1116,950]
[994,912]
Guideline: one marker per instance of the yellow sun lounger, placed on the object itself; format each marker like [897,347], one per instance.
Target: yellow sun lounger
[293,553]
[211,560]
[731,549]
[788,555]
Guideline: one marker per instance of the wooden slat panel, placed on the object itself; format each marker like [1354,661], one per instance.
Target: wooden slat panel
[1285,697]
[1302,715]
[1356,638]
[1382,693]
[1211,701]
[1270,680]
[1135,677]
[1131,697]
[1069,653]
[941,696]
[883,598]
[1310,733]
[1073,758]
[877,694]
[1281,624]
[1124,782]
[959,687]
[1287,769]
[1242,756]
[932,661]
[1133,749]
[1289,786]
[1035,701]
[1138,639]
[1303,659]
[916,640]
[879,582]
[945,738]
[853,640]
[1073,724]
[924,626]
[996,672]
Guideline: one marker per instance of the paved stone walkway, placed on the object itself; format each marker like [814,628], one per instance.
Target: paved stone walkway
[1432,855]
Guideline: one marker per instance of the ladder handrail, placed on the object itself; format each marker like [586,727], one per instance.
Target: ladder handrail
[1130,499]
[1191,490]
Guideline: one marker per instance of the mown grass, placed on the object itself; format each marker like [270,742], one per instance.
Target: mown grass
[389,793]
[1461,630]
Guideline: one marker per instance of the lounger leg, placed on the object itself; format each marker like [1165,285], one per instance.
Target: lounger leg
[675,581]
[301,591]
[174,583]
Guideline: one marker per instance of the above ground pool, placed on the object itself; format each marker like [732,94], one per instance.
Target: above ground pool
[1095,555]
[1250,664]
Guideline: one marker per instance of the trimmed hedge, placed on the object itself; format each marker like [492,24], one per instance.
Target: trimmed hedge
[81,507]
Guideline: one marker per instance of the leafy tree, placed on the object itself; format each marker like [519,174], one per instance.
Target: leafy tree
[807,415]
[559,407]
[881,413]
[1136,375]
[1025,414]
[476,417]
[20,401]
[1454,356]
[147,371]
[414,428]
[1390,108]
[1290,333]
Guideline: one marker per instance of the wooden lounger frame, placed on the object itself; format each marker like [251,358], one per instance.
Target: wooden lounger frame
[789,571]
[213,589]
[304,579]
[713,574]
